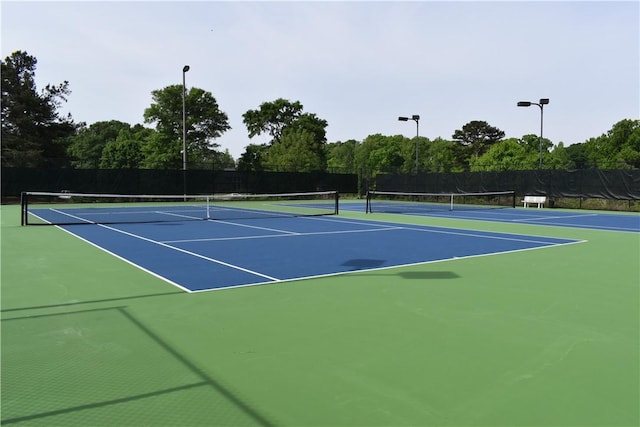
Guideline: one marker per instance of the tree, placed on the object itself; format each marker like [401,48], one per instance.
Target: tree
[32,129]
[341,156]
[558,158]
[309,123]
[294,153]
[517,154]
[86,146]
[252,158]
[618,148]
[125,152]
[223,160]
[508,154]
[279,117]
[379,153]
[476,137]
[624,144]
[577,156]
[205,122]
[439,156]
[272,118]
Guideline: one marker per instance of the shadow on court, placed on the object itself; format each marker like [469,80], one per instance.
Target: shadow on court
[87,352]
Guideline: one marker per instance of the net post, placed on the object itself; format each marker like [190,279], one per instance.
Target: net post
[451,203]
[337,203]
[23,208]
[367,206]
[513,199]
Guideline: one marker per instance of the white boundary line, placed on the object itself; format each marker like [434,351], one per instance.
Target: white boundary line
[117,256]
[206,258]
[272,280]
[385,268]
[317,233]
[213,260]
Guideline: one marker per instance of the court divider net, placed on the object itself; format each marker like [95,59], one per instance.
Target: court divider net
[66,208]
[415,203]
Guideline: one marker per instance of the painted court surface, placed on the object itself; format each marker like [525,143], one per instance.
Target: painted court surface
[503,317]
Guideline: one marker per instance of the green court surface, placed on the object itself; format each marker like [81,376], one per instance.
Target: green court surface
[548,337]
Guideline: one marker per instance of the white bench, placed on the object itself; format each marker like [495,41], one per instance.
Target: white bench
[539,200]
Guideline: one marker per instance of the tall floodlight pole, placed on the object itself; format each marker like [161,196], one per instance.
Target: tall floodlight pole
[541,104]
[184,118]
[184,131]
[415,118]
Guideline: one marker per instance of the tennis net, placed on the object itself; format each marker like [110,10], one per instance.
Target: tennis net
[65,208]
[416,203]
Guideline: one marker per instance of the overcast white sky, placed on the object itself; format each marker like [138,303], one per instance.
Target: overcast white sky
[359,65]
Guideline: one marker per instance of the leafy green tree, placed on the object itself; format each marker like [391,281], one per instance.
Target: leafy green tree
[577,156]
[558,158]
[381,154]
[476,137]
[618,148]
[126,152]
[223,160]
[294,153]
[205,122]
[86,146]
[508,154]
[309,123]
[272,118]
[33,131]
[252,158]
[439,156]
[517,154]
[623,144]
[341,156]
[161,151]
[281,117]
[408,148]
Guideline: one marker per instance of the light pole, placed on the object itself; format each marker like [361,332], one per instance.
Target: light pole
[415,118]
[184,132]
[184,118]
[541,104]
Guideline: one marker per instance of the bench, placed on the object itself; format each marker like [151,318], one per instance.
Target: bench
[539,200]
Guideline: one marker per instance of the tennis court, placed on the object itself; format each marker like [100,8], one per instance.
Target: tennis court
[497,207]
[364,319]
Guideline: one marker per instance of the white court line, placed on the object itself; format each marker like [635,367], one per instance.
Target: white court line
[271,280]
[116,255]
[389,267]
[530,239]
[206,258]
[155,242]
[544,218]
[314,233]
[448,230]
[253,226]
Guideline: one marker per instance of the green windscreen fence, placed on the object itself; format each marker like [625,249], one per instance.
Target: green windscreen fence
[606,184]
[147,181]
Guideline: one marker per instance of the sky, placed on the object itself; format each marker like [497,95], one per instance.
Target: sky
[358,65]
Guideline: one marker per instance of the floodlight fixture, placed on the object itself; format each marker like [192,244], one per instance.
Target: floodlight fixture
[415,118]
[541,104]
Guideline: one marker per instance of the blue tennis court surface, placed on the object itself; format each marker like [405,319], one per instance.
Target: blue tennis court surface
[552,217]
[217,254]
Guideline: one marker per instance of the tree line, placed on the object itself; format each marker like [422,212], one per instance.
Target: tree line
[35,134]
